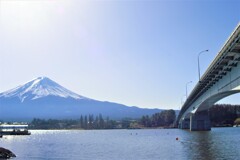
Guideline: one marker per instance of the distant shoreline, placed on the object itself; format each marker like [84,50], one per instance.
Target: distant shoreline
[80,129]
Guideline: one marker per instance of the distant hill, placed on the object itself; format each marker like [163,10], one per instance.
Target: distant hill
[44,98]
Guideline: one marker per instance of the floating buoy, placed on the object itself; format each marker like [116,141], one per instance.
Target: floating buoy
[177,139]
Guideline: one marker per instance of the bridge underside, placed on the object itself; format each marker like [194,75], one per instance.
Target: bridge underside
[209,102]
[198,120]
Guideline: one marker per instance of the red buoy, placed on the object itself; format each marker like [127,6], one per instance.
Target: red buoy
[177,139]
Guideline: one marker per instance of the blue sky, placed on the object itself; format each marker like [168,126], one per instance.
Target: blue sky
[138,53]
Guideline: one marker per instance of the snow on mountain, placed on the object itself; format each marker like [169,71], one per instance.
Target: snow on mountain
[38,88]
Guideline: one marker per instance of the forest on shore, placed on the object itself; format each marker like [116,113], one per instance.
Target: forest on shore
[220,115]
[162,119]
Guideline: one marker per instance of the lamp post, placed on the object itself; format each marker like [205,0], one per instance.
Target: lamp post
[186,88]
[198,62]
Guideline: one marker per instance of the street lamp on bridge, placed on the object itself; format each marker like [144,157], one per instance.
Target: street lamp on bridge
[198,62]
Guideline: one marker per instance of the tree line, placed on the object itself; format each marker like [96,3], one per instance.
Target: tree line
[84,122]
[224,114]
[220,115]
[162,119]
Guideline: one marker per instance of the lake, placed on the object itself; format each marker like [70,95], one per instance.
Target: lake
[144,144]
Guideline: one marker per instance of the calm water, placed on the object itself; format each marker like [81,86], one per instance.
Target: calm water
[152,144]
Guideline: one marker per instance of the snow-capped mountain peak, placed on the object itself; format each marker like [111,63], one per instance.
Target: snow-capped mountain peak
[38,88]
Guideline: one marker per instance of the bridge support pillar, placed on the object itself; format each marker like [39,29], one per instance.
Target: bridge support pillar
[184,124]
[200,122]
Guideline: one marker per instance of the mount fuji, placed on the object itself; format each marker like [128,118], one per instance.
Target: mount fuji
[44,98]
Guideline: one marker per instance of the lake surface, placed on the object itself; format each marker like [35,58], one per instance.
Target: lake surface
[145,144]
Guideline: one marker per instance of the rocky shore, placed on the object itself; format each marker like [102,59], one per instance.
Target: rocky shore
[5,153]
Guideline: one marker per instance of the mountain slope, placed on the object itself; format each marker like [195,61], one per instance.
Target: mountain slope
[39,87]
[44,98]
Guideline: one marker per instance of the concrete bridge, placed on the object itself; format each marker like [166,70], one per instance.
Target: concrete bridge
[221,79]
